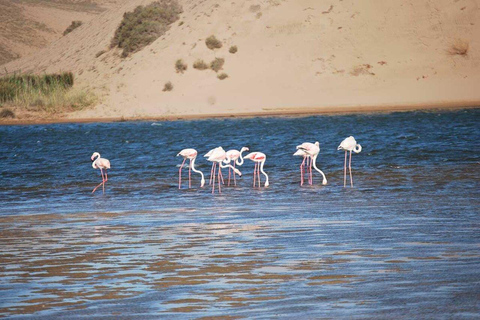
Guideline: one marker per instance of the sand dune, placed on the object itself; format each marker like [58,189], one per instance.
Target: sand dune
[293,56]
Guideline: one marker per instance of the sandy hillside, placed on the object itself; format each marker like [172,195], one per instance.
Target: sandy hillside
[293,55]
[29,25]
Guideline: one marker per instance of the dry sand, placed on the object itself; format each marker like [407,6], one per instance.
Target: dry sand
[294,57]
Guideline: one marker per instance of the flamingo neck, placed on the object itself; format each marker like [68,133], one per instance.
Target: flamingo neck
[239,163]
[357,148]
[195,170]
[314,161]
[264,173]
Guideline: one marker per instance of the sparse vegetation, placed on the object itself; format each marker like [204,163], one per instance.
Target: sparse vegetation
[213,43]
[168,86]
[99,53]
[7,113]
[74,25]
[200,65]
[222,76]
[217,64]
[180,67]
[459,47]
[233,49]
[144,25]
[49,92]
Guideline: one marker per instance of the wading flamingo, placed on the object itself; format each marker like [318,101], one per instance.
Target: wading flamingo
[312,150]
[218,155]
[190,154]
[234,155]
[306,158]
[102,164]
[259,159]
[214,164]
[349,144]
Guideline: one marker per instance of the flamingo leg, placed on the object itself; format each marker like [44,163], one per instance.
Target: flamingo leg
[301,171]
[229,170]
[254,174]
[180,174]
[213,175]
[190,174]
[219,176]
[350,169]
[258,175]
[103,181]
[345,171]
[234,179]
[106,179]
[311,174]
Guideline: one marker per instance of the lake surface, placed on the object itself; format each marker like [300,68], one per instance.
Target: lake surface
[403,243]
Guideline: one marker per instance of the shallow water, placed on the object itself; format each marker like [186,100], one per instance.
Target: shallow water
[403,243]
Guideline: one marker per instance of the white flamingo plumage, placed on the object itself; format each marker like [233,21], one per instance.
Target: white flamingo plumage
[234,155]
[312,150]
[218,155]
[259,159]
[190,154]
[349,144]
[102,164]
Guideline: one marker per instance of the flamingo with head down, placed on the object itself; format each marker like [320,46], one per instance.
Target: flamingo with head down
[349,144]
[312,150]
[234,155]
[190,154]
[218,155]
[259,159]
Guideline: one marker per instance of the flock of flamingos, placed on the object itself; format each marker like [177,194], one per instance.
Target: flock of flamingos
[309,152]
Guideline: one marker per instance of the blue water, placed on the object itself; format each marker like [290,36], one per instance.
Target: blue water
[403,243]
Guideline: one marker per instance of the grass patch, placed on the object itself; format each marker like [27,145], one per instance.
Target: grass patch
[74,25]
[217,64]
[144,25]
[200,65]
[168,86]
[459,47]
[233,49]
[180,67]
[222,76]
[213,43]
[7,113]
[49,92]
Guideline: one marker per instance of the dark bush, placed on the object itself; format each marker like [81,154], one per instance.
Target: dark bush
[144,25]
[213,43]
[200,65]
[233,49]
[168,86]
[217,64]
[180,67]
[74,25]
[7,113]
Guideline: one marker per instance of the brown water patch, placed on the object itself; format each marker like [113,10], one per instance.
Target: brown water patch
[424,258]
[187,309]
[332,277]
[396,261]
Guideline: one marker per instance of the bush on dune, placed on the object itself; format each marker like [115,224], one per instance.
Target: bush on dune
[74,25]
[144,25]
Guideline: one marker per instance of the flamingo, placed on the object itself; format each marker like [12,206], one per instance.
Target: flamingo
[306,158]
[190,154]
[259,159]
[312,150]
[218,155]
[349,144]
[214,164]
[102,164]
[234,155]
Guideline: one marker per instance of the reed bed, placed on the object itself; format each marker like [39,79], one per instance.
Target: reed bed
[49,92]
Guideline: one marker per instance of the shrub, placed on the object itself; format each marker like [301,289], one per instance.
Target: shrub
[459,47]
[180,66]
[48,92]
[74,25]
[168,86]
[200,65]
[233,49]
[144,25]
[7,113]
[213,43]
[222,76]
[217,64]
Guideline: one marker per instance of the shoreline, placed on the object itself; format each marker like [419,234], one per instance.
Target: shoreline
[266,112]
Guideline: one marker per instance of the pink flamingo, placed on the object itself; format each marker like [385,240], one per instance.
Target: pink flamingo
[349,144]
[102,164]
[190,154]
[218,155]
[259,159]
[306,158]
[312,150]
[234,155]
